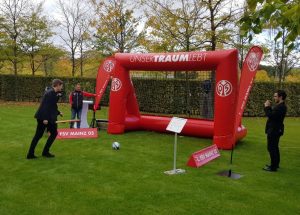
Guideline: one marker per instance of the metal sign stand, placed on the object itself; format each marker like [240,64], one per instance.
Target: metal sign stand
[229,173]
[176,125]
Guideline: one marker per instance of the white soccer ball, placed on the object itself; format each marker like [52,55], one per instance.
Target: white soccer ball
[116,145]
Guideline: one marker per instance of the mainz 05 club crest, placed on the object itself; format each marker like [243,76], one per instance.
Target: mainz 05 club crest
[224,88]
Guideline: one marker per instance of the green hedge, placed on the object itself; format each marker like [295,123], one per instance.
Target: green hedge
[156,96]
[262,91]
[169,96]
[29,88]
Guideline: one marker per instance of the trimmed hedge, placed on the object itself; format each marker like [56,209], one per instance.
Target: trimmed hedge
[156,96]
[29,88]
[170,96]
[262,91]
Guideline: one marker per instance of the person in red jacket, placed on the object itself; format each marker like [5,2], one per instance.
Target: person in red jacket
[76,101]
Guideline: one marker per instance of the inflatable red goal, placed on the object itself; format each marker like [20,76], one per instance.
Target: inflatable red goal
[231,92]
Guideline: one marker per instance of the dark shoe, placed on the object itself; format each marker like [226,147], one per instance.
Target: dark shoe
[48,155]
[29,156]
[269,169]
[269,166]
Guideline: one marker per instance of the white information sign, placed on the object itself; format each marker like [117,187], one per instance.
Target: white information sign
[176,124]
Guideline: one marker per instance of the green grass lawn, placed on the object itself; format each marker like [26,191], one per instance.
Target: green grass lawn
[88,177]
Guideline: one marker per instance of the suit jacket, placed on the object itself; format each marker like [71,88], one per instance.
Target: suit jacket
[274,125]
[48,109]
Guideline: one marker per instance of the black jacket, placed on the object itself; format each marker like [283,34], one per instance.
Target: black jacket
[76,99]
[274,125]
[48,109]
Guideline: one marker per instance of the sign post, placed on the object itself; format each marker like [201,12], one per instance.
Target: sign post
[176,125]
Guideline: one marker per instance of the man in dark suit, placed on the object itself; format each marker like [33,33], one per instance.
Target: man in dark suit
[46,117]
[275,128]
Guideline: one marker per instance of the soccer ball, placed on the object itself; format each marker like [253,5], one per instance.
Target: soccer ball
[116,145]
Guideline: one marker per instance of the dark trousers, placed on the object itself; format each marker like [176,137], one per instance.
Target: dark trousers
[74,113]
[52,128]
[273,148]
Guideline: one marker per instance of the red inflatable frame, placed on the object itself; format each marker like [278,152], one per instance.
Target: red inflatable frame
[230,97]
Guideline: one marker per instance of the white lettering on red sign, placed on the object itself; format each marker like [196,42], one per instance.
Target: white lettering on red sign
[68,133]
[116,84]
[76,133]
[253,61]
[224,88]
[108,66]
[246,96]
[165,58]
[141,58]
[103,88]
[204,156]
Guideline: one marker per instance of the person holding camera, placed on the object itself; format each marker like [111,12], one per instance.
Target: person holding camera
[275,127]
[76,102]
[46,117]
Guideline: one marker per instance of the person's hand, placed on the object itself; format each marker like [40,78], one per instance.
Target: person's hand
[45,122]
[267,103]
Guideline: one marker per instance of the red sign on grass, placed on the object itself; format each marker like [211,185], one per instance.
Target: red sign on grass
[203,156]
[74,133]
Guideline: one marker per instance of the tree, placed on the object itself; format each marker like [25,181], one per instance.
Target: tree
[219,26]
[175,26]
[116,27]
[73,13]
[294,76]
[84,42]
[262,76]
[35,34]
[281,18]
[11,13]
[237,40]
[195,24]
[220,22]
[49,56]
[282,58]
[243,45]
[271,71]
[3,38]
[273,14]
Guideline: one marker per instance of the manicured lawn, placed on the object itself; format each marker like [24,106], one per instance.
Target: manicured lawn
[88,177]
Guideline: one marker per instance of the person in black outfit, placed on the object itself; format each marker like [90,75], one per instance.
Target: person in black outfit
[76,102]
[46,117]
[275,128]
